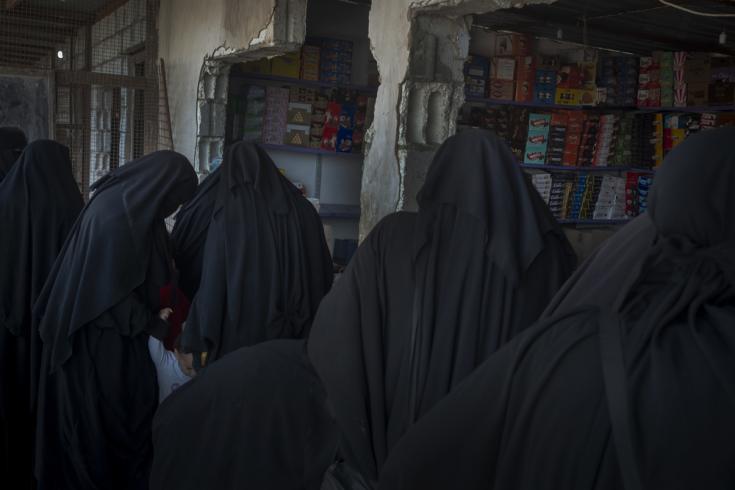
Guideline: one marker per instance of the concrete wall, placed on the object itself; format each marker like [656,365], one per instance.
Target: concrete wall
[393,24]
[191,31]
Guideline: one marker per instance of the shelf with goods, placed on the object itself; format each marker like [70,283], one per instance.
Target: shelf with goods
[580,116]
[611,108]
[310,116]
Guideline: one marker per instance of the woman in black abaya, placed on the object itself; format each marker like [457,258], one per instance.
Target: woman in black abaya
[98,389]
[190,233]
[636,396]
[39,201]
[12,142]
[261,412]
[266,265]
[429,296]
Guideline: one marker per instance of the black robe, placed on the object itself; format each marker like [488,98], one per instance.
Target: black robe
[257,418]
[190,233]
[636,393]
[266,264]
[39,201]
[429,296]
[98,389]
[12,142]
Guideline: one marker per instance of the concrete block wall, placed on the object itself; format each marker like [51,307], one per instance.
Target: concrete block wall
[420,47]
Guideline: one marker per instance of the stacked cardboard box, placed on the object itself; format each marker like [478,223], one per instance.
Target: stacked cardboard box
[557,137]
[618,77]
[310,55]
[542,182]
[575,127]
[298,130]
[275,118]
[697,77]
[680,86]
[254,111]
[605,143]
[538,138]
[610,203]
[476,73]
[336,61]
[525,77]
[590,129]
[666,76]
[722,81]
[649,82]
[288,65]
[562,183]
[502,78]
[544,87]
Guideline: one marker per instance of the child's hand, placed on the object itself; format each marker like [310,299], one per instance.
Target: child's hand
[165,313]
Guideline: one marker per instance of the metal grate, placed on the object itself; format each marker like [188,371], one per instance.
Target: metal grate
[100,59]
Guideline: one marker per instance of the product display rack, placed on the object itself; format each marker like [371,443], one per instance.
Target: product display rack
[258,77]
[312,151]
[602,108]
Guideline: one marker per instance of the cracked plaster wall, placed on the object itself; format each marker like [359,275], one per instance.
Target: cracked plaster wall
[420,47]
[191,31]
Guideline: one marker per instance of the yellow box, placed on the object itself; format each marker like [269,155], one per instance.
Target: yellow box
[575,96]
[288,65]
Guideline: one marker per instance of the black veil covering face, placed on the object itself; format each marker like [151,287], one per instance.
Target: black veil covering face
[636,395]
[39,202]
[428,296]
[98,389]
[190,233]
[12,142]
[266,264]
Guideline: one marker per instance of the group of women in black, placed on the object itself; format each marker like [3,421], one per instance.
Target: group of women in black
[454,352]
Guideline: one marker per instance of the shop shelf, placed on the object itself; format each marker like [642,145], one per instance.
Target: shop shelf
[257,77]
[311,151]
[339,211]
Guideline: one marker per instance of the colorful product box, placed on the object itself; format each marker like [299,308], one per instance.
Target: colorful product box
[288,65]
[513,45]
[503,69]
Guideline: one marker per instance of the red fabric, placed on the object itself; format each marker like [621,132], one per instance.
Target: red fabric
[181,311]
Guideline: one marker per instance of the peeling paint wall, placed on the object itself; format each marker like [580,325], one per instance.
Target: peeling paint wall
[415,108]
[191,31]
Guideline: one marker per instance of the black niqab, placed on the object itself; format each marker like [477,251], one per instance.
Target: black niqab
[190,233]
[429,296]
[98,389]
[12,142]
[637,395]
[39,202]
[110,252]
[266,264]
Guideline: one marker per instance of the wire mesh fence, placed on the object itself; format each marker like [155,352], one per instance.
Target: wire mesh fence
[100,58]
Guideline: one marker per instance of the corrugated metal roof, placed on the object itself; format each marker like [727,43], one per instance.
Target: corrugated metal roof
[638,26]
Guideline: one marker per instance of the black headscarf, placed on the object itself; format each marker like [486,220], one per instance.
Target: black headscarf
[12,142]
[636,394]
[39,201]
[256,418]
[110,251]
[266,263]
[429,296]
[190,233]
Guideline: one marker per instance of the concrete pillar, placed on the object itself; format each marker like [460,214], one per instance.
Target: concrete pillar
[420,48]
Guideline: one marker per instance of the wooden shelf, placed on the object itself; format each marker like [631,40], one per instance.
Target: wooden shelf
[257,77]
